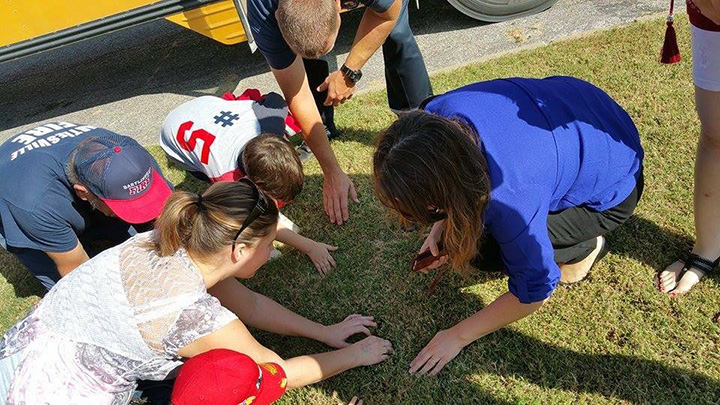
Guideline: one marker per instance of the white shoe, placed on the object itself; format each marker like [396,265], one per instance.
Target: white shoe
[304,152]
[275,254]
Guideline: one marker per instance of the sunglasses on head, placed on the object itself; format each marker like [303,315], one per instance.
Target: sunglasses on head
[261,205]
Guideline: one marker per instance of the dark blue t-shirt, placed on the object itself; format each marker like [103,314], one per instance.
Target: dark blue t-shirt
[269,39]
[38,207]
[550,144]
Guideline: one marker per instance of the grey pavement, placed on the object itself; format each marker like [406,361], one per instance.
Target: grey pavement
[129,80]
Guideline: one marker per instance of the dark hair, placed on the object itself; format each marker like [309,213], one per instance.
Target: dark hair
[425,161]
[307,25]
[274,165]
[70,169]
[205,227]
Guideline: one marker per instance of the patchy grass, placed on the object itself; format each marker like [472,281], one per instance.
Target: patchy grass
[610,339]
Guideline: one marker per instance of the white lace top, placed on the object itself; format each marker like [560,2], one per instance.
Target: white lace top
[119,318]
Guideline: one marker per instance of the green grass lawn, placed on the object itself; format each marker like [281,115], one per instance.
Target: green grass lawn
[612,338]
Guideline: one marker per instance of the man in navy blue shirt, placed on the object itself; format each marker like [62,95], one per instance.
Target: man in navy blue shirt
[293,34]
[66,186]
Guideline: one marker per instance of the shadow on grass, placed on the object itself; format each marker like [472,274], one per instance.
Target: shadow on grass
[515,356]
[643,240]
[22,281]
[617,376]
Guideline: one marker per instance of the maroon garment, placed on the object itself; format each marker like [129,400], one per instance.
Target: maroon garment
[699,20]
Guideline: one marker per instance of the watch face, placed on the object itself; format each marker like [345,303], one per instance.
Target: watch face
[353,75]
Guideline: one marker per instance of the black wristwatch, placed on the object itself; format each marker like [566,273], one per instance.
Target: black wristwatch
[353,75]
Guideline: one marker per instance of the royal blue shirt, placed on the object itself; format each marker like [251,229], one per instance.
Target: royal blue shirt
[38,207]
[269,39]
[550,144]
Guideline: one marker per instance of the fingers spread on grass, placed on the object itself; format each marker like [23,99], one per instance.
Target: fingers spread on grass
[359,329]
[340,208]
[439,366]
[429,364]
[353,193]
[366,321]
[343,208]
[330,247]
[328,208]
[419,360]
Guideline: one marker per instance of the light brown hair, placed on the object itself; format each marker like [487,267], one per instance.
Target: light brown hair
[425,161]
[274,165]
[307,25]
[205,227]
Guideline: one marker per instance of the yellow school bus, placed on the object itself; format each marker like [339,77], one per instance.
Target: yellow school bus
[30,26]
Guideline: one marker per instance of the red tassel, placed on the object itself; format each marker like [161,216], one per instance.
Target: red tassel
[670,50]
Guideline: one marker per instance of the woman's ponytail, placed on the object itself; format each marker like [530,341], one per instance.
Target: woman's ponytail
[204,224]
[175,224]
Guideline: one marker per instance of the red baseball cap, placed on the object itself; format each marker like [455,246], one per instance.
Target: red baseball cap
[226,377]
[120,172]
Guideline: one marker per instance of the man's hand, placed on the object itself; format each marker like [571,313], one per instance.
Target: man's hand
[336,335]
[440,351]
[336,187]
[339,87]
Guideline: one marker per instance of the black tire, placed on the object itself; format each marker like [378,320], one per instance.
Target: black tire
[500,10]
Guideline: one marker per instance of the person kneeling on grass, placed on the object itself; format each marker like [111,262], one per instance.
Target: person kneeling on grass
[136,310]
[69,190]
[527,174]
[228,138]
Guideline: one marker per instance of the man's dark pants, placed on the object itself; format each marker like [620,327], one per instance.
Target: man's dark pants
[406,76]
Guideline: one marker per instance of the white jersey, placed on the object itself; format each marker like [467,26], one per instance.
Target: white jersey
[209,133]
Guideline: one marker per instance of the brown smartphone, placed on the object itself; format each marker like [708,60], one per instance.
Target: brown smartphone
[426,258]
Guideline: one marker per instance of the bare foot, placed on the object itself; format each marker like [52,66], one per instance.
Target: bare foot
[572,273]
[667,281]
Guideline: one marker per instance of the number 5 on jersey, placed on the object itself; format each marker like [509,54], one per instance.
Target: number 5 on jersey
[190,144]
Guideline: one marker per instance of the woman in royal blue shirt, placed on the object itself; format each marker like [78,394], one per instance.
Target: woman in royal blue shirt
[526,173]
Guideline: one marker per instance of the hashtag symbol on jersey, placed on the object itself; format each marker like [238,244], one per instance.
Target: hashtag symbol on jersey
[226,118]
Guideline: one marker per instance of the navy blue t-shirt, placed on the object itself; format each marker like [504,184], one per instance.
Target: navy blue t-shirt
[269,39]
[38,207]
[550,144]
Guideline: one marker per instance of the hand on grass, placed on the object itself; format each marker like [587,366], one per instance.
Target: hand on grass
[336,187]
[355,401]
[320,255]
[336,335]
[371,350]
[439,352]
[339,87]
[431,243]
